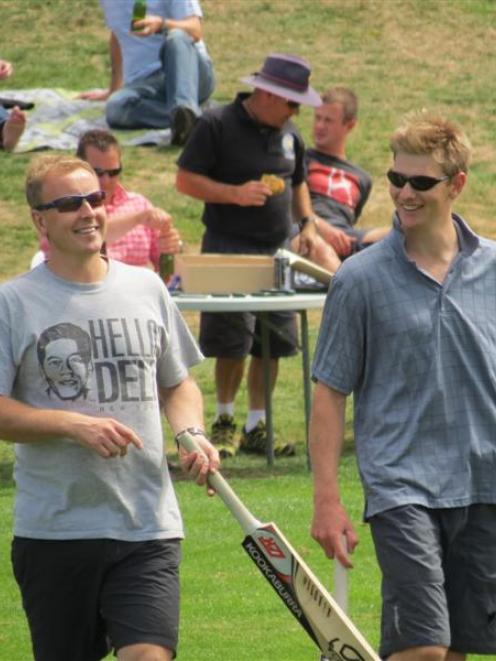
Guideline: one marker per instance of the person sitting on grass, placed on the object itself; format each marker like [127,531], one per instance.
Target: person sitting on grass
[13,123]
[161,70]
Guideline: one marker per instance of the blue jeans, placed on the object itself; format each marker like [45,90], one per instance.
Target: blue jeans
[4,113]
[185,79]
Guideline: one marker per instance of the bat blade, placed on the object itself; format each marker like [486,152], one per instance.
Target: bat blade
[305,597]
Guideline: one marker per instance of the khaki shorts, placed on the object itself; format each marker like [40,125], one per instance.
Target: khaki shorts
[439,577]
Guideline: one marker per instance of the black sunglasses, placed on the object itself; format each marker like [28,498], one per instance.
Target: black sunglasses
[294,105]
[73,202]
[111,173]
[417,182]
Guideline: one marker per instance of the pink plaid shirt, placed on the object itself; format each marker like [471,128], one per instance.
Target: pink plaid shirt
[139,246]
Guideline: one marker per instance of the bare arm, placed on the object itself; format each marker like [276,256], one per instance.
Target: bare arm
[251,193]
[330,520]
[335,237]
[183,407]
[152,24]
[115,73]
[21,423]
[302,207]
[120,223]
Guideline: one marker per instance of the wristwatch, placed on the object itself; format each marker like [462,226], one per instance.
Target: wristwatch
[194,431]
[304,221]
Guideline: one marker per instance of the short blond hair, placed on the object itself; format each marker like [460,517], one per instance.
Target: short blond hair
[346,98]
[50,164]
[424,132]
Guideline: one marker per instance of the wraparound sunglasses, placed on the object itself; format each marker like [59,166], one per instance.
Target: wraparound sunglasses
[418,182]
[73,202]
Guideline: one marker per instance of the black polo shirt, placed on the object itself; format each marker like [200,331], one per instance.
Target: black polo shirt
[228,146]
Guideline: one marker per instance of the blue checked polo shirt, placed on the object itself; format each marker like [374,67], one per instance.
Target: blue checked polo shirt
[420,360]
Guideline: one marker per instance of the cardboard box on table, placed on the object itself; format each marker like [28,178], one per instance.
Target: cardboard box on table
[224,274]
[232,273]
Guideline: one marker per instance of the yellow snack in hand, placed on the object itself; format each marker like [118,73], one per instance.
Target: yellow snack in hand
[276,184]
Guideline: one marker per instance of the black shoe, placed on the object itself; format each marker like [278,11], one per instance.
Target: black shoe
[183,123]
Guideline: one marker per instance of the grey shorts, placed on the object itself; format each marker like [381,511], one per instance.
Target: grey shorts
[439,577]
[235,335]
[84,597]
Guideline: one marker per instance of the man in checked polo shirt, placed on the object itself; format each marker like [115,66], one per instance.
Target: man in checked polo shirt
[410,329]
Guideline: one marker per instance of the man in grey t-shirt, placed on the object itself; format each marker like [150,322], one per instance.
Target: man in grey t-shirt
[409,328]
[90,351]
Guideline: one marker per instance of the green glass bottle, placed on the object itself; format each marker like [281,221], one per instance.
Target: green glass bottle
[139,12]
[166,266]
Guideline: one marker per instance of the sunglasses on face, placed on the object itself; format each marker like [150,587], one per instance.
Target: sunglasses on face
[100,172]
[418,182]
[73,202]
[293,105]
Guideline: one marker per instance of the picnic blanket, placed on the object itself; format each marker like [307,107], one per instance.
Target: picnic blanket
[58,119]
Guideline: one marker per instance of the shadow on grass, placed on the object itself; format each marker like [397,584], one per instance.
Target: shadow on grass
[255,467]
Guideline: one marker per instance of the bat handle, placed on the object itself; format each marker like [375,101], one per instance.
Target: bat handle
[240,512]
[340,591]
[341,585]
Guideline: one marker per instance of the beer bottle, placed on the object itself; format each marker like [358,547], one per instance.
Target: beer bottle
[139,12]
[166,266]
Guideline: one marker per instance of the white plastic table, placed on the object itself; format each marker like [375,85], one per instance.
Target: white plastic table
[262,304]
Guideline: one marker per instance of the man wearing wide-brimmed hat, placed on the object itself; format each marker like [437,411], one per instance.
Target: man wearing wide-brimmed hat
[229,151]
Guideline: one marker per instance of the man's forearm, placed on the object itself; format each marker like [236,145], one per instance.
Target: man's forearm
[120,223]
[326,441]
[302,202]
[205,189]
[192,25]
[21,423]
[115,63]
[183,405]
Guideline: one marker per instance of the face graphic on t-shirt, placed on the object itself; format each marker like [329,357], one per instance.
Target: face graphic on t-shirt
[66,361]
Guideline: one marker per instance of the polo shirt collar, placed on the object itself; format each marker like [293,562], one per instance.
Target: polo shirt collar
[467,238]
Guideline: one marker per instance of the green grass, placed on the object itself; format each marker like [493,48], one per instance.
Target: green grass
[398,55]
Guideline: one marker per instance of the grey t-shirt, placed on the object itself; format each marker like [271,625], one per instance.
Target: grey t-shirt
[100,349]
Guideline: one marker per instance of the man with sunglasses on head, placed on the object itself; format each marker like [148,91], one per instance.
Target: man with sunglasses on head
[137,232]
[225,158]
[91,350]
[409,328]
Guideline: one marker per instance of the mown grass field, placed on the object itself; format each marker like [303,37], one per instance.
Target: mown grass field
[398,55]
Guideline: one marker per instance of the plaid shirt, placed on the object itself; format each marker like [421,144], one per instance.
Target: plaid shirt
[139,247]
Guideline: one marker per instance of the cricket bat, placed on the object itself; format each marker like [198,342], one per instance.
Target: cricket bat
[305,597]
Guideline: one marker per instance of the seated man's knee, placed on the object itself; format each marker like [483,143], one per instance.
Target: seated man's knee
[176,37]
[177,43]
[117,107]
